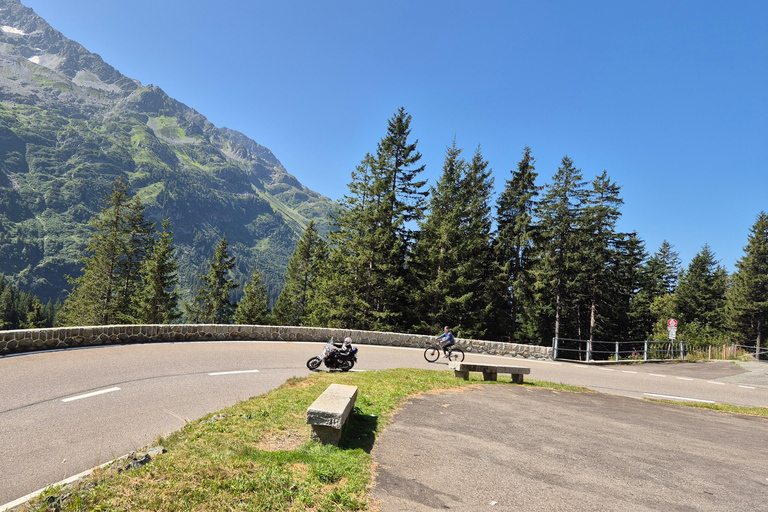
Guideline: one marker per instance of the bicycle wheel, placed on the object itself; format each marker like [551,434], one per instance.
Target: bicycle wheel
[431,354]
[456,355]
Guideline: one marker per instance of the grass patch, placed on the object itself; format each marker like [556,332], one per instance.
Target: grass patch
[734,409]
[257,454]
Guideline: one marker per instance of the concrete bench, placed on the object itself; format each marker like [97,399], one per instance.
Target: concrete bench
[329,413]
[490,372]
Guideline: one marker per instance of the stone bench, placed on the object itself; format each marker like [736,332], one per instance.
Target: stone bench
[329,413]
[490,372]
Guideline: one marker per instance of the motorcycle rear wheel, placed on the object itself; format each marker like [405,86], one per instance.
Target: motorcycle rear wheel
[346,365]
[314,363]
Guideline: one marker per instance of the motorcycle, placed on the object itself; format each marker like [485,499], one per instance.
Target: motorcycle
[336,357]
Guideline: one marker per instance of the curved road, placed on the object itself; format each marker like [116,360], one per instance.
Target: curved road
[64,412]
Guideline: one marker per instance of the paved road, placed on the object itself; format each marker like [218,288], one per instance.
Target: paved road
[64,412]
[508,447]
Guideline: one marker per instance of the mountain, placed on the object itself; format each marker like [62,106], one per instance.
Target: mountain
[71,124]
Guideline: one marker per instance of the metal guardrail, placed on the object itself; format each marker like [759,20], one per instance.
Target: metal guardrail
[592,350]
[568,349]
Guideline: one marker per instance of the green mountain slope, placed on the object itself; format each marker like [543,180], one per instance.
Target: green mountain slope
[70,124]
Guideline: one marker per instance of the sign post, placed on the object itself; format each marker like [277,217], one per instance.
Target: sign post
[672,328]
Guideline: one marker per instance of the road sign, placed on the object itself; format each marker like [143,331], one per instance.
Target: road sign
[672,322]
[672,332]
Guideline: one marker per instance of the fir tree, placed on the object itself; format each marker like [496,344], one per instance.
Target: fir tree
[700,296]
[103,293]
[514,245]
[157,299]
[747,303]
[301,279]
[366,286]
[211,303]
[252,308]
[436,254]
[557,241]
[597,252]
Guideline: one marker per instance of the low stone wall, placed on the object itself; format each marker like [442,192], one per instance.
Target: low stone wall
[13,342]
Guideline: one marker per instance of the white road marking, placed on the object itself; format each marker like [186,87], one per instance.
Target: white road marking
[233,373]
[627,371]
[680,398]
[580,366]
[656,375]
[608,369]
[684,378]
[718,383]
[746,387]
[88,395]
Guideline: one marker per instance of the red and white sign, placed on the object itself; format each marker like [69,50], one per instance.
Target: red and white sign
[672,322]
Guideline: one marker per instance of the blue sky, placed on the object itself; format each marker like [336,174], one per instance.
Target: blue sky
[669,97]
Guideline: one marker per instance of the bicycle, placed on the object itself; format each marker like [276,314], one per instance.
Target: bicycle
[432,353]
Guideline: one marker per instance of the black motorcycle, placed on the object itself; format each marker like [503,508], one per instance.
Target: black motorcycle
[335,357]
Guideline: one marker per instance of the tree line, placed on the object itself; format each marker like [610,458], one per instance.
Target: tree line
[538,262]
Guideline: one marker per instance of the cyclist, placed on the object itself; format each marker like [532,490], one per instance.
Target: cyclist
[449,340]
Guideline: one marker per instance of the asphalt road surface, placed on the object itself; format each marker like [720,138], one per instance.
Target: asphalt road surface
[64,412]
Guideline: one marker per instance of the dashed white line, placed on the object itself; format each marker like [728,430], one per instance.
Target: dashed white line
[608,369]
[679,398]
[656,375]
[233,373]
[718,383]
[684,378]
[746,387]
[580,366]
[88,395]
[627,371]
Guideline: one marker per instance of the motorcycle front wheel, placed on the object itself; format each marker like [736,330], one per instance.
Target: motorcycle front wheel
[314,363]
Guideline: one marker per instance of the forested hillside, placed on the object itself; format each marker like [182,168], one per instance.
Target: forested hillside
[70,125]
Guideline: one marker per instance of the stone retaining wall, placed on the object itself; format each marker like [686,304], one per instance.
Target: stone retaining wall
[13,342]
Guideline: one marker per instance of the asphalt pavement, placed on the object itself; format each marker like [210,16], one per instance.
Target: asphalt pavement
[509,447]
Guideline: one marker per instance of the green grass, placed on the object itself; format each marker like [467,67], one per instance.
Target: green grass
[257,455]
[734,409]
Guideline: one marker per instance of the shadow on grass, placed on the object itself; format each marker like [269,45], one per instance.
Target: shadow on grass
[360,431]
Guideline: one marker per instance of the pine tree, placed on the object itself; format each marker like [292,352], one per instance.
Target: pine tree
[557,240]
[514,244]
[747,303]
[35,318]
[700,297]
[597,252]
[366,287]
[103,293]
[436,254]
[8,313]
[157,299]
[301,279]
[211,303]
[252,308]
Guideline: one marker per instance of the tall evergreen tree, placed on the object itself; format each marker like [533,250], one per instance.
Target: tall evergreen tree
[366,287]
[597,253]
[103,293]
[436,255]
[514,244]
[301,279]
[557,241]
[701,296]
[211,303]
[252,308]
[9,317]
[747,303]
[157,299]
